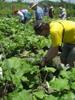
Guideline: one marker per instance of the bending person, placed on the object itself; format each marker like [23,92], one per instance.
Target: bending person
[62,32]
[24,15]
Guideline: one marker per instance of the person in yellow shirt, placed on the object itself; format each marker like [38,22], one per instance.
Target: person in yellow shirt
[62,32]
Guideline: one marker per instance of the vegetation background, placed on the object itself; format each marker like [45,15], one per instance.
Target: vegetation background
[7,8]
[20,54]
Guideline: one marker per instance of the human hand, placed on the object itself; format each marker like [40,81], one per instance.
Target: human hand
[43,61]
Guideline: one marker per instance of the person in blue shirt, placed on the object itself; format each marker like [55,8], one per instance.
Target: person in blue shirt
[39,13]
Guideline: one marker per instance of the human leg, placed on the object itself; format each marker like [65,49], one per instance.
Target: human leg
[64,53]
[71,56]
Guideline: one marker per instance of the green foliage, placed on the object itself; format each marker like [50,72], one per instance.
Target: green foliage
[65,74]
[68,96]
[39,94]
[60,84]
[7,8]
[22,78]
[51,97]
[22,95]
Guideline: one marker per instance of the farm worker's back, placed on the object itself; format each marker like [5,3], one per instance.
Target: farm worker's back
[62,31]
[39,13]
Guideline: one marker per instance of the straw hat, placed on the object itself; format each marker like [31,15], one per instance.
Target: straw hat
[51,7]
[33,5]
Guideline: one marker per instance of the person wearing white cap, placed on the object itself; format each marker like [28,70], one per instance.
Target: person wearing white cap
[39,13]
[63,14]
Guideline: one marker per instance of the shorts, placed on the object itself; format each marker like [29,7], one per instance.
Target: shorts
[68,54]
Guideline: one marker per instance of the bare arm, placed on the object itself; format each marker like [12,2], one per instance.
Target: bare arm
[52,52]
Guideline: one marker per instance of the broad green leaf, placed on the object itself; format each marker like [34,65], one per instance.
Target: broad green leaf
[39,94]
[64,74]
[51,69]
[68,96]
[34,98]
[50,97]
[59,84]
[23,95]
[72,85]
[72,74]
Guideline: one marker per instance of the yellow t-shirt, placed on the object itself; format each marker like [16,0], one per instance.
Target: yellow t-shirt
[62,30]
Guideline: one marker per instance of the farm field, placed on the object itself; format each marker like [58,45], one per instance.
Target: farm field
[21,77]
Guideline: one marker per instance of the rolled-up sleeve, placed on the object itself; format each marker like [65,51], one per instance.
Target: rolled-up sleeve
[56,35]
